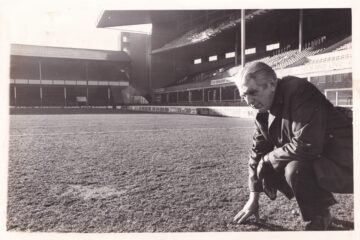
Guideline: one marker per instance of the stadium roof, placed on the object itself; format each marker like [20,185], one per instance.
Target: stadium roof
[113,18]
[203,33]
[212,31]
[72,53]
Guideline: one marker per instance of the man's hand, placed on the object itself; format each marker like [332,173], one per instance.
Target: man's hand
[266,174]
[264,167]
[250,208]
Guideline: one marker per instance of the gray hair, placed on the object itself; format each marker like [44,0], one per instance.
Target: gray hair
[260,72]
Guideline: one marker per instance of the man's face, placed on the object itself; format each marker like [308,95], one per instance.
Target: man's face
[259,97]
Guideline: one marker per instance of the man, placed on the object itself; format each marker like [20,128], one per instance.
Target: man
[300,138]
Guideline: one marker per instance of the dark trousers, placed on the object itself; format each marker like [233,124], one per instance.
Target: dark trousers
[298,180]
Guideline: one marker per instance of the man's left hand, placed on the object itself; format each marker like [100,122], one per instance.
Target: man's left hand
[264,166]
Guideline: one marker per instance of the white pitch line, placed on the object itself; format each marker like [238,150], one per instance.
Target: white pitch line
[94,125]
[124,131]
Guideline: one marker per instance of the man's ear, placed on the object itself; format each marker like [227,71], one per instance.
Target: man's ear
[272,84]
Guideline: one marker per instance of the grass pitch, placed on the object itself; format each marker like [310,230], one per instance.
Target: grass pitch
[138,173]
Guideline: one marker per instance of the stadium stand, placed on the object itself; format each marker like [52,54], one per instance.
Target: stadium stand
[27,96]
[66,77]
[279,59]
[53,96]
[99,96]
[75,96]
[326,48]
[190,58]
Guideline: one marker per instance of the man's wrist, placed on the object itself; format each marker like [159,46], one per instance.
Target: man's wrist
[255,195]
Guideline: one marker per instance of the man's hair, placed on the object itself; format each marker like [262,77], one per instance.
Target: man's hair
[260,72]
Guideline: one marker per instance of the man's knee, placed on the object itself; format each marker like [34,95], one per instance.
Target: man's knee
[297,170]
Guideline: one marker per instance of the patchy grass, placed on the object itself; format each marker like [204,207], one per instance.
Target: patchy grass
[138,173]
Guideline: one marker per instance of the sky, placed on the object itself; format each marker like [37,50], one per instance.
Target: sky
[63,25]
[66,27]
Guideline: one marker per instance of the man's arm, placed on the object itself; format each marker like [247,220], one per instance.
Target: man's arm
[308,117]
[261,146]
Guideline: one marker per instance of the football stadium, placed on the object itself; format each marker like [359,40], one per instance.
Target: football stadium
[155,137]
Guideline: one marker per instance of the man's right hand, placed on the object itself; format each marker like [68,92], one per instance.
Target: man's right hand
[250,208]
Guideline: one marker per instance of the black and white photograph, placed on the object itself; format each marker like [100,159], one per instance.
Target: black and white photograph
[225,118]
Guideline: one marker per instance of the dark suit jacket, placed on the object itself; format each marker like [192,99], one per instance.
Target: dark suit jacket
[301,125]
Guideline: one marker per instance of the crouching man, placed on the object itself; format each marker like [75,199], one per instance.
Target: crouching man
[302,145]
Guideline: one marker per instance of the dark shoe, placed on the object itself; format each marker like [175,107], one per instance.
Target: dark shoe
[320,223]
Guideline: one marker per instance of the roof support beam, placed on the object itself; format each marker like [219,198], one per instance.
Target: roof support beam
[301,30]
[242,37]
[40,77]
[236,46]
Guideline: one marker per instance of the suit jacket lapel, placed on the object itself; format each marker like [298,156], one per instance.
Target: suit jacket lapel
[275,111]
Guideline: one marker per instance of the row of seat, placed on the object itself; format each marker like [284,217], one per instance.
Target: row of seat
[345,46]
